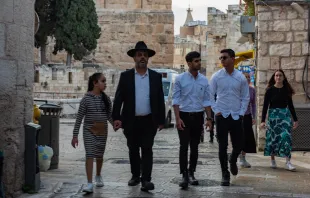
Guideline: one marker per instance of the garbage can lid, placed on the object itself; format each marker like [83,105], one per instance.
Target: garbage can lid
[49,106]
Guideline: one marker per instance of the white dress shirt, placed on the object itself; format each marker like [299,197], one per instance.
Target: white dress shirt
[142,90]
[232,92]
[190,93]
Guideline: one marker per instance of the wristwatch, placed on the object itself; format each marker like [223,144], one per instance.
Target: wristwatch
[209,119]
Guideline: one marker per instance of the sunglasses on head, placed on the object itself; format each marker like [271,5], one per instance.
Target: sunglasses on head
[223,57]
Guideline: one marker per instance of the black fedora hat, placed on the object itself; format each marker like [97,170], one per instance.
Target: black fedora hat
[141,46]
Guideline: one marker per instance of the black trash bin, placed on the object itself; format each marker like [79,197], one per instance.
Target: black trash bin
[49,134]
[32,168]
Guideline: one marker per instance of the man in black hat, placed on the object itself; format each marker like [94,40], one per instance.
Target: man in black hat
[140,95]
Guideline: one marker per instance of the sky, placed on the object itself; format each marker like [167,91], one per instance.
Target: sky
[200,9]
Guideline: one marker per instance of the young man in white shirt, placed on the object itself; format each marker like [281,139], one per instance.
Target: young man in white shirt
[191,97]
[231,103]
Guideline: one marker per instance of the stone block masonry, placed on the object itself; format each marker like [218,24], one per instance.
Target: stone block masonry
[125,22]
[16,73]
[122,29]
[282,44]
[56,83]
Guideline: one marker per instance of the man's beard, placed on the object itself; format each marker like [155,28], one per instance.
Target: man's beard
[141,65]
[196,69]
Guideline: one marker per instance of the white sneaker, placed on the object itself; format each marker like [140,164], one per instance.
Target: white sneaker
[89,188]
[243,163]
[273,164]
[289,166]
[99,182]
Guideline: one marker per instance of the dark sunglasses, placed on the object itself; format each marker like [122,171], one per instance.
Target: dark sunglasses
[223,57]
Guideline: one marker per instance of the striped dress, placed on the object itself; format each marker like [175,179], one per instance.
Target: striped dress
[92,109]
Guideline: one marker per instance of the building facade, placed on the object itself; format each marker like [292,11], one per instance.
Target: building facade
[123,23]
[223,32]
[283,44]
[16,72]
[192,37]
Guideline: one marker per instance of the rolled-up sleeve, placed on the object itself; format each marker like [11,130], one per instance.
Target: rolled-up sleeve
[176,94]
[206,98]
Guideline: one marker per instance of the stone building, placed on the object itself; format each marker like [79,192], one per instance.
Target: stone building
[123,23]
[16,73]
[192,37]
[223,32]
[282,44]
[57,82]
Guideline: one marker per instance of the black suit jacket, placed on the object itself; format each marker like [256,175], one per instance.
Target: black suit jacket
[124,107]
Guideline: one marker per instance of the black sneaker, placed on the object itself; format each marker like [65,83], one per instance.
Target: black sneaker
[185,181]
[225,179]
[192,180]
[134,181]
[146,186]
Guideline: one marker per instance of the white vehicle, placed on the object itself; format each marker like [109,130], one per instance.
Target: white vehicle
[168,79]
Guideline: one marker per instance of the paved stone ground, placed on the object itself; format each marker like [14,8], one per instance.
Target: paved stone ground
[258,181]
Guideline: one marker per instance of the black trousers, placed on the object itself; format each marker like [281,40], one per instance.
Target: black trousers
[213,123]
[249,144]
[190,136]
[141,136]
[235,128]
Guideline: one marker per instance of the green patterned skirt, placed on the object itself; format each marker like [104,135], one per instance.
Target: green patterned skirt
[278,133]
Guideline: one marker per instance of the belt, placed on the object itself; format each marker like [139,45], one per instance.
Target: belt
[192,113]
[143,117]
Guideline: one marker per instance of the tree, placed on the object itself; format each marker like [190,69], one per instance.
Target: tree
[77,28]
[46,12]
[249,8]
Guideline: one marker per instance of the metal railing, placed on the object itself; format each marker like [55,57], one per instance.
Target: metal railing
[57,95]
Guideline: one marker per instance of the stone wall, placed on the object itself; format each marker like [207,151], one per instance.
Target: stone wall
[56,83]
[16,73]
[194,40]
[224,32]
[282,44]
[125,22]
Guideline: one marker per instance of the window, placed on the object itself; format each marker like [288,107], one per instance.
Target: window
[54,74]
[36,76]
[70,77]
[166,88]
[113,79]
[86,76]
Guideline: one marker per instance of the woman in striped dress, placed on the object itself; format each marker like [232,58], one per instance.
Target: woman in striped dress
[96,109]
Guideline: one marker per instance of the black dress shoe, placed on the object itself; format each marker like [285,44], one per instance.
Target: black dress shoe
[185,181]
[146,186]
[134,181]
[225,179]
[211,140]
[192,180]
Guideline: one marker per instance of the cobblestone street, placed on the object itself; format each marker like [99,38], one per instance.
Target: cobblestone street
[258,181]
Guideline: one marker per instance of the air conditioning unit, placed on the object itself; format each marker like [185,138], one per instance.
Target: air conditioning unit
[301,135]
[247,24]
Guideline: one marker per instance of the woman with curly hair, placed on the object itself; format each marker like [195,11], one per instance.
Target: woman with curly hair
[278,102]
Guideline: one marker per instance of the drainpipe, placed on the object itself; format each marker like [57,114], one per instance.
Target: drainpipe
[306,68]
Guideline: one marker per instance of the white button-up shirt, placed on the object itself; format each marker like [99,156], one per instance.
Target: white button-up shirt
[232,92]
[142,90]
[190,93]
